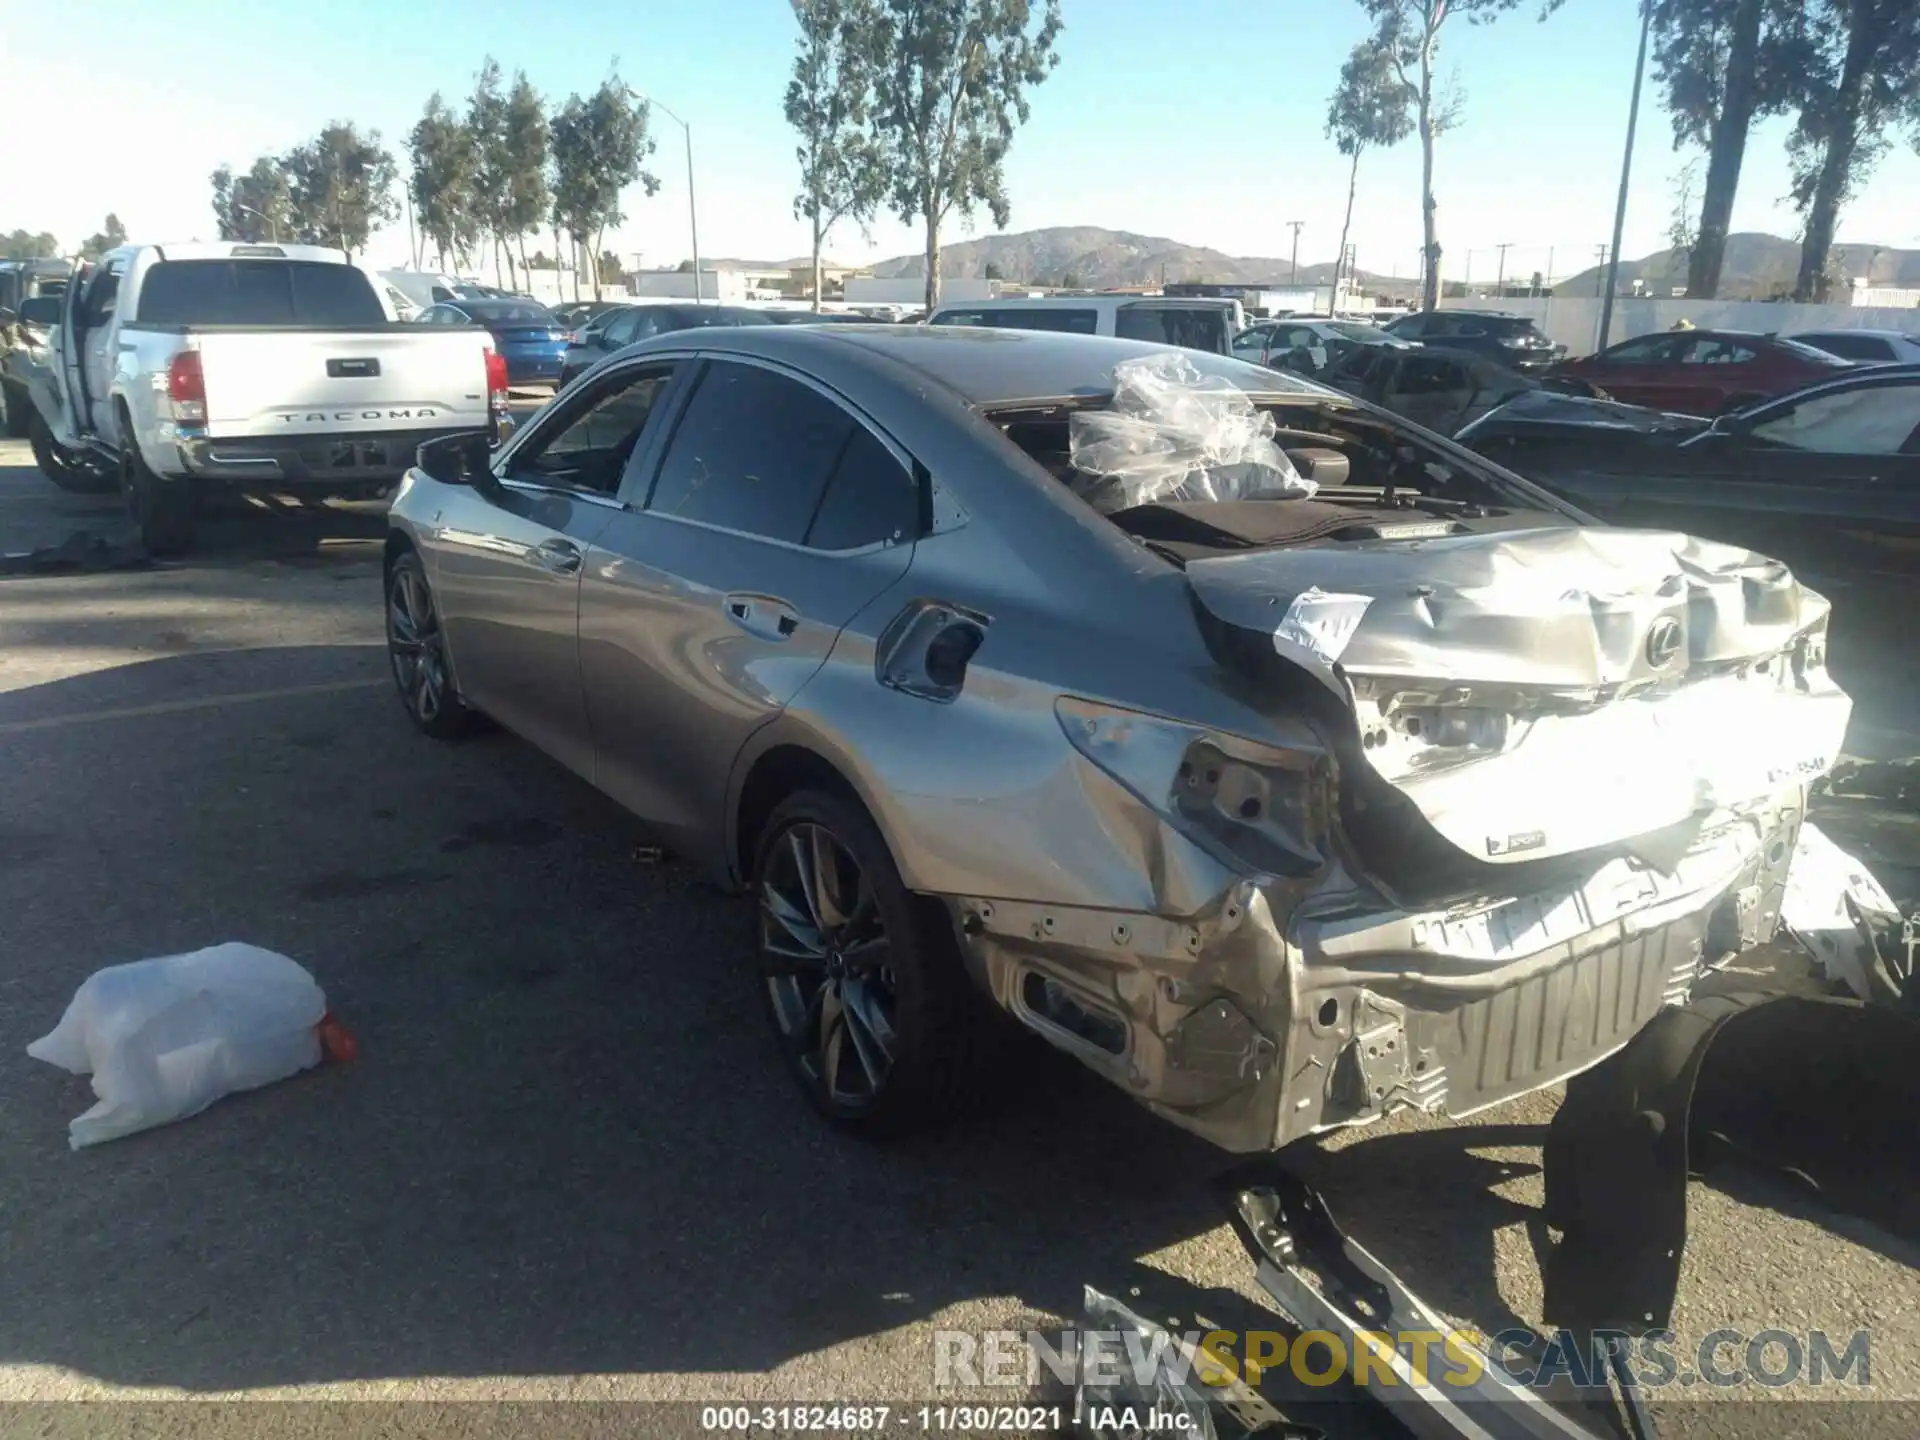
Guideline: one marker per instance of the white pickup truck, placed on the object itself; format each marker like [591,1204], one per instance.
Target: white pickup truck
[275,369]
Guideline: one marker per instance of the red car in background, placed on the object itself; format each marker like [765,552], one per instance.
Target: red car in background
[1702,372]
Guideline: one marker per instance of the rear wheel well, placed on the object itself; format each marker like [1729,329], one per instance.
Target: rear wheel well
[776,775]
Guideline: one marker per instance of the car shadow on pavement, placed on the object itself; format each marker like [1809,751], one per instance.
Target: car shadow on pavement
[567,1146]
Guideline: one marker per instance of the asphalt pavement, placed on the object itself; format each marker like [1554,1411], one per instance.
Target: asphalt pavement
[566,1164]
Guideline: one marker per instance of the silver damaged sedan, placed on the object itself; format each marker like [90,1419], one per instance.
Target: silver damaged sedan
[1285,763]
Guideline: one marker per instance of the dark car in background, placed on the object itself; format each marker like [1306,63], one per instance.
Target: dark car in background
[530,339]
[1510,340]
[1703,372]
[1432,385]
[1826,478]
[581,312]
[617,329]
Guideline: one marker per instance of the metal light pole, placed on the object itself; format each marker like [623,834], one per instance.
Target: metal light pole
[1500,278]
[1626,170]
[273,228]
[693,215]
[1294,277]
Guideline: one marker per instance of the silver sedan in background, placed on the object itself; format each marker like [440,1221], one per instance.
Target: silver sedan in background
[1282,761]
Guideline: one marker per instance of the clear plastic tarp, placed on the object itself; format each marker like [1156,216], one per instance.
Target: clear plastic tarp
[1174,433]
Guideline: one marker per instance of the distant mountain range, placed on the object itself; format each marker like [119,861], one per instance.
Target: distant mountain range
[1090,256]
[1757,266]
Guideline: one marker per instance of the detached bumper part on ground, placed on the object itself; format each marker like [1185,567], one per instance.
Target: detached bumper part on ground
[1580,781]
[165,1038]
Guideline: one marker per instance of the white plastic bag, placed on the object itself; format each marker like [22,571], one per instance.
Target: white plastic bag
[1174,433]
[164,1039]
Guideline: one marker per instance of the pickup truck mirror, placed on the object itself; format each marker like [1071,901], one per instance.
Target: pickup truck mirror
[41,310]
[460,459]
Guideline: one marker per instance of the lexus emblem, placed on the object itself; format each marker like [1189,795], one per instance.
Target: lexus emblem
[1663,642]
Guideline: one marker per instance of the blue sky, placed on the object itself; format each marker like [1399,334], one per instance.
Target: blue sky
[1200,120]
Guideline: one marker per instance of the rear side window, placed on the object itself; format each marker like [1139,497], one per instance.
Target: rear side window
[258,292]
[1851,347]
[751,453]
[1192,329]
[871,498]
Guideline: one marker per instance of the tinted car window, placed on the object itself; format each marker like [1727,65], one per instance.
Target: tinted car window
[258,292]
[509,312]
[1192,329]
[592,451]
[752,452]
[1429,375]
[1647,350]
[1073,322]
[872,497]
[1879,420]
[1411,327]
[1359,364]
[620,329]
[1851,347]
[1713,351]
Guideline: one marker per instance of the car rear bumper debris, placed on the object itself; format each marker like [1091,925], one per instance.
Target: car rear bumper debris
[1254,1032]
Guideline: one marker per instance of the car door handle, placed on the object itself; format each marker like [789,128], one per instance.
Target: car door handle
[763,615]
[561,557]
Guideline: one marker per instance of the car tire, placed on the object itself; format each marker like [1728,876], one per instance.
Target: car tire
[16,411]
[57,464]
[866,996]
[162,508]
[417,653]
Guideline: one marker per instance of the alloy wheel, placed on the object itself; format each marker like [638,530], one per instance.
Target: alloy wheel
[414,646]
[826,961]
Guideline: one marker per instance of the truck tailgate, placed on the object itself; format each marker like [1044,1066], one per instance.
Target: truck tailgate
[342,382]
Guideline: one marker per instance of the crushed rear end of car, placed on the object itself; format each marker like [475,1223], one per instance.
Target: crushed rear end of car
[1521,788]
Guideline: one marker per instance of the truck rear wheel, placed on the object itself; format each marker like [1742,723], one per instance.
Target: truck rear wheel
[162,508]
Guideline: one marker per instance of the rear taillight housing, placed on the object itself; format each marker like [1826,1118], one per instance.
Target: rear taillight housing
[187,388]
[496,381]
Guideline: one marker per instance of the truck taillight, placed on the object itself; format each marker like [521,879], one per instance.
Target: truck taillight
[187,388]
[496,381]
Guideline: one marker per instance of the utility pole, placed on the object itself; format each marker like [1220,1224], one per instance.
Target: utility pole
[1294,278]
[1549,274]
[1500,279]
[1600,277]
[1626,171]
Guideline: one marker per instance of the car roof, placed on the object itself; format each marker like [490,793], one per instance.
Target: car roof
[1845,330]
[985,367]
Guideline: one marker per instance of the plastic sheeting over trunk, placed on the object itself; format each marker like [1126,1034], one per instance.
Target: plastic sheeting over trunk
[1542,692]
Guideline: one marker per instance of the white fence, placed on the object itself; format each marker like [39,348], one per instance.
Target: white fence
[1574,321]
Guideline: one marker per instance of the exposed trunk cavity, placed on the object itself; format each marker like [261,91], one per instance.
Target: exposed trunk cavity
[1727,149]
